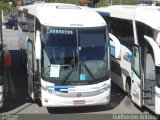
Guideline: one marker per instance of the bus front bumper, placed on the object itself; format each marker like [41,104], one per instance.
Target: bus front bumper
[49,100]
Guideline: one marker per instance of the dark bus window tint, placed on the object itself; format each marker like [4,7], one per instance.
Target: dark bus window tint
[123,30]
[59,37]
[92,39]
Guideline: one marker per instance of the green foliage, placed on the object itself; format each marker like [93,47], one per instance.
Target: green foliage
[125,2]
[117,2]
[5,7]
[63,1]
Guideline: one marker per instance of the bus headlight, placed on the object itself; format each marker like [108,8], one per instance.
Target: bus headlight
[45,100]
[106,88]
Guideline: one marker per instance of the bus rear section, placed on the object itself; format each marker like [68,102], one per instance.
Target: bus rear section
[70,65]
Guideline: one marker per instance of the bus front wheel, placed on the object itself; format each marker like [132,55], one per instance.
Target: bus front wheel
[128,87]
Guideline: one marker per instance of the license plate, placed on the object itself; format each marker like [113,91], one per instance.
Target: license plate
[79,102]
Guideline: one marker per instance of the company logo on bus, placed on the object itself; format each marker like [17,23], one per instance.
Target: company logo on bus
[79,95]
[135,94]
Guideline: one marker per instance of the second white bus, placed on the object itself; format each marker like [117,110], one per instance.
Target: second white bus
[137,69]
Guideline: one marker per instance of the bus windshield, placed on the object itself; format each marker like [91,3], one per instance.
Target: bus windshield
[71,55]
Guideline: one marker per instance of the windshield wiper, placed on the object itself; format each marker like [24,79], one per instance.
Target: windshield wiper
[67,76]
[88,70]
[78,65]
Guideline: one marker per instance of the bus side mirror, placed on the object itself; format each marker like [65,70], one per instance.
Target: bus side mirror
[38,45]
[115,46]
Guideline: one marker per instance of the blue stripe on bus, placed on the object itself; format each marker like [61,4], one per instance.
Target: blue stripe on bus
[104,14]
[112,50]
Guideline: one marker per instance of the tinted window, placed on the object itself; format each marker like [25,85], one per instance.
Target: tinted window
[90,39]
[123,30]
[59,37]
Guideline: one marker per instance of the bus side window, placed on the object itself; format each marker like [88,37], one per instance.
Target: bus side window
[46,59]
[92,53]
[123,30]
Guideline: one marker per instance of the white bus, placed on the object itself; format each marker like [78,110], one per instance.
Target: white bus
[137,70]
[68,54]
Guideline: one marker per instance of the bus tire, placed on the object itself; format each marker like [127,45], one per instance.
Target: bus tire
[128,87]
[29,99]
[38,101]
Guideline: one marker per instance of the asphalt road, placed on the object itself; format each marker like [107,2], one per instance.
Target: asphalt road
[18,106]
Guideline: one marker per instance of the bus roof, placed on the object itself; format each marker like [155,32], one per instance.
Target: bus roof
[149,15]
[64,15]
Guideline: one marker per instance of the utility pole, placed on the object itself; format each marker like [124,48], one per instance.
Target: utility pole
[2,16]
[10,4]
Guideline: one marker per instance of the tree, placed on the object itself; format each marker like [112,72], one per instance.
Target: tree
[124,2]
[90,3]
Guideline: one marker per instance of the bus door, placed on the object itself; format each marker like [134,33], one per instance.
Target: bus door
[30,70]
[136,76]
[152,61]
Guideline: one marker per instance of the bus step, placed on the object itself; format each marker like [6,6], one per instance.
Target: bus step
[147,91]
[146,97]
[38,90]
[38,83]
